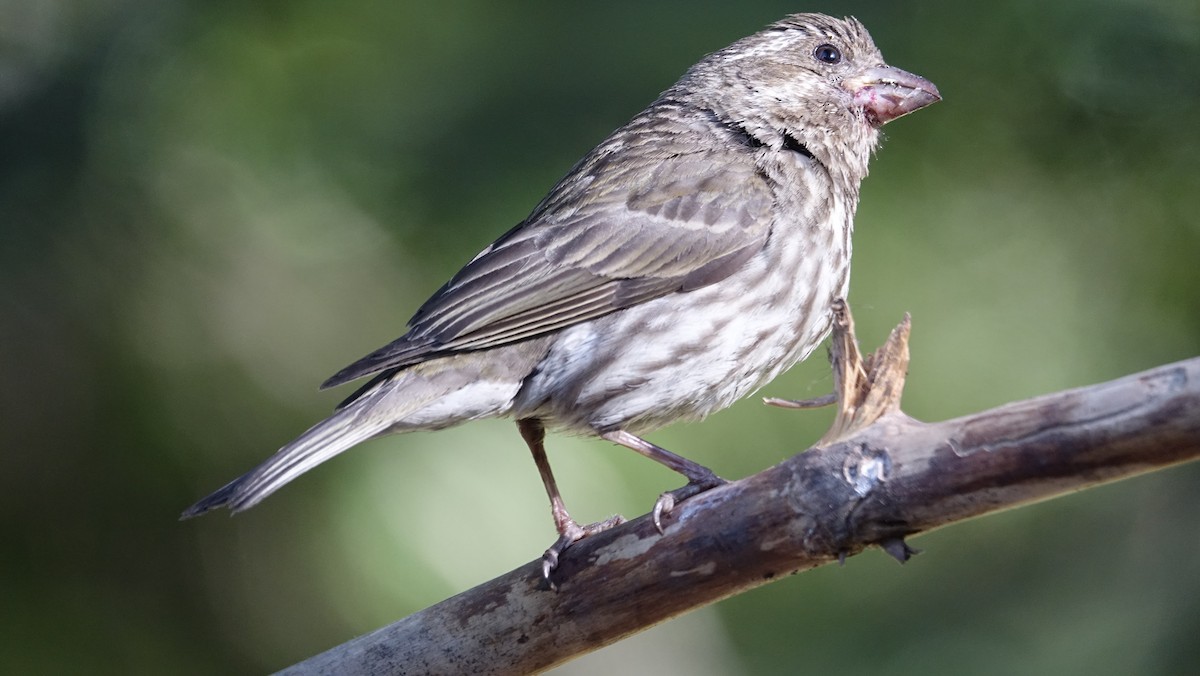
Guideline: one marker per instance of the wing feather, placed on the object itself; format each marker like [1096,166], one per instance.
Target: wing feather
[631,233]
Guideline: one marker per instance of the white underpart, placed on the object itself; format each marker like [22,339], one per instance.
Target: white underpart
[480,399]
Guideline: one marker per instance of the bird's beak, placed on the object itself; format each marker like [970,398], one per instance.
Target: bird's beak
[886,93]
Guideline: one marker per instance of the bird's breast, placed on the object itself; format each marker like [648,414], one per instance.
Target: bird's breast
[686,355]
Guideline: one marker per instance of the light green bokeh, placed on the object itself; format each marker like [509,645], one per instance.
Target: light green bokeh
[207,208]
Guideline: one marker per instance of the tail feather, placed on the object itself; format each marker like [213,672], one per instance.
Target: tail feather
[346,428]
[428,396]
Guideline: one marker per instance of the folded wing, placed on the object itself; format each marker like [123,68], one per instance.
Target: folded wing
[609,238]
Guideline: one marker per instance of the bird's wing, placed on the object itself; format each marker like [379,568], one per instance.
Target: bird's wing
[612,235]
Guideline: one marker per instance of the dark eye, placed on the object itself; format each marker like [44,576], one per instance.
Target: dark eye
[827,53]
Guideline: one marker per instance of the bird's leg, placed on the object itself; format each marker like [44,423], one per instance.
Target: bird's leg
[700,478]
[569,531]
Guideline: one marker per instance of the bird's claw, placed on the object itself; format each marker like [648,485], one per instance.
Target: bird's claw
[816,402]
[664,505]
[570,533]
[667,501]
[550,559]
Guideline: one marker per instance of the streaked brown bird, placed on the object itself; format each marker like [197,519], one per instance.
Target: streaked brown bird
[681,265]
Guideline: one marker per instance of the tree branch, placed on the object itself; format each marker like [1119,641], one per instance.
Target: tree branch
[876,478]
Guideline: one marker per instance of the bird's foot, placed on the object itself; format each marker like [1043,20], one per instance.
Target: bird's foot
[816,402]
[571,532]
[696,485]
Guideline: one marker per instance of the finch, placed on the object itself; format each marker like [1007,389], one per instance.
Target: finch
[684,263]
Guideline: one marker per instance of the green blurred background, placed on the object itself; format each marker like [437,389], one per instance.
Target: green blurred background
[208,207]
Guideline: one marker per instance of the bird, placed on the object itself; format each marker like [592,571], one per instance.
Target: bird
[683,263]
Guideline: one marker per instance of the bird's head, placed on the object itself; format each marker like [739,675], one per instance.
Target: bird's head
[814,78]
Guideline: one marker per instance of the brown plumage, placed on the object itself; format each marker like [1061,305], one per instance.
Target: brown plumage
[683,263]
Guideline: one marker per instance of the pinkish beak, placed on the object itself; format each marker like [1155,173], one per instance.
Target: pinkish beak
[886,93]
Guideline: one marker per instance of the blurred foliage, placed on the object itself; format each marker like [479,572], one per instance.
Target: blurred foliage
[208,207]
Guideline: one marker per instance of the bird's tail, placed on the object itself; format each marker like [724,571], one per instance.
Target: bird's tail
[432,395]
[339,432]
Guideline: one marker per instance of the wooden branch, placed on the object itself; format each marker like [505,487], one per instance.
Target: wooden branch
[876,478]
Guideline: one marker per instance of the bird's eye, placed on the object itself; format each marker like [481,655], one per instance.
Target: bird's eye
[827,53]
